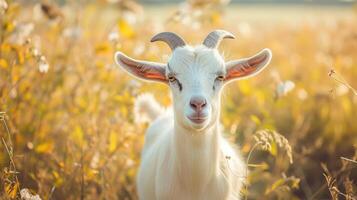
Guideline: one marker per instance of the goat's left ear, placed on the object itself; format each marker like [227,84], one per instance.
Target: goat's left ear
[150,71]
[247,67]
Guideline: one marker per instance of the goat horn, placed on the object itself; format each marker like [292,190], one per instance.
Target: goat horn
[172,39]
[215,37]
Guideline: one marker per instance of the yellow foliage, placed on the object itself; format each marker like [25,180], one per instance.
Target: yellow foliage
[3,64]
[78,136]
[44,147]
[216,17]
[125,29]
[113,141]
[255,119]
[11,189]
[58,179]
[102,48]
[245,88]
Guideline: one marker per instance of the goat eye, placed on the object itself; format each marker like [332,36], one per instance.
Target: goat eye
[172,79]
[220,78]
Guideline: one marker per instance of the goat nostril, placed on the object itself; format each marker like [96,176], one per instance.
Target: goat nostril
[198,103]
[192,104]
[204,103]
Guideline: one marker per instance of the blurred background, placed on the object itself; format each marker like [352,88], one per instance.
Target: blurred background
[67,129]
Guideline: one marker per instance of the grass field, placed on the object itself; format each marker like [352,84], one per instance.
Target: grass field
[67,129]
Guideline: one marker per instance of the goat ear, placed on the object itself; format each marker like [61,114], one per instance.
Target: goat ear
[247,67]
[142,69]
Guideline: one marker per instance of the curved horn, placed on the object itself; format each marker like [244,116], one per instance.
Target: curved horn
[215,37]
[172,39]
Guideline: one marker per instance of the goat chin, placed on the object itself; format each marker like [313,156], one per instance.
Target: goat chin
[178,165]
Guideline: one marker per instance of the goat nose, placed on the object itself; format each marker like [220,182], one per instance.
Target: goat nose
[198,103]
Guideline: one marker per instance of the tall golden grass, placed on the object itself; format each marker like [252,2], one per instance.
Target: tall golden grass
[67,128]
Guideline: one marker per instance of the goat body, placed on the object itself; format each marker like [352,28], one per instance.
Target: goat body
[177,164]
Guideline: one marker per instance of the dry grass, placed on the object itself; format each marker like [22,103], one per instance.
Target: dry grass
[67,127]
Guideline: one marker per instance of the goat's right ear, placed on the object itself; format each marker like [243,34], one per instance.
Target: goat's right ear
[247,67]
[142,69]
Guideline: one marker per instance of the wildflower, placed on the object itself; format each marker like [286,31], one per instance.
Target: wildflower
[72,32]
[43,65]
[13,93]
[95,160]
[130,17]
[140,49]
[113,36]
[21,33]
[134,84]
[244,29]
[284,88]
[3,6]
[35,52]
[302,94]
[275,75]
[130,162]
[26,195]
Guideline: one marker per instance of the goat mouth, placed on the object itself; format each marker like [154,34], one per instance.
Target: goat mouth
[198,120]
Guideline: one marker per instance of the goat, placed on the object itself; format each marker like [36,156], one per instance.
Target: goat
[185,155]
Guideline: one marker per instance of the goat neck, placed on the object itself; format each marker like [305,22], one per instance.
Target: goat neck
[196,155]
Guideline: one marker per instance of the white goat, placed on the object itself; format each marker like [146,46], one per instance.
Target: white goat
[185,155]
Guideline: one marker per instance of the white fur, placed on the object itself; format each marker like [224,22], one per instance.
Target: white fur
[181,159]
[146,108]
[177,164]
